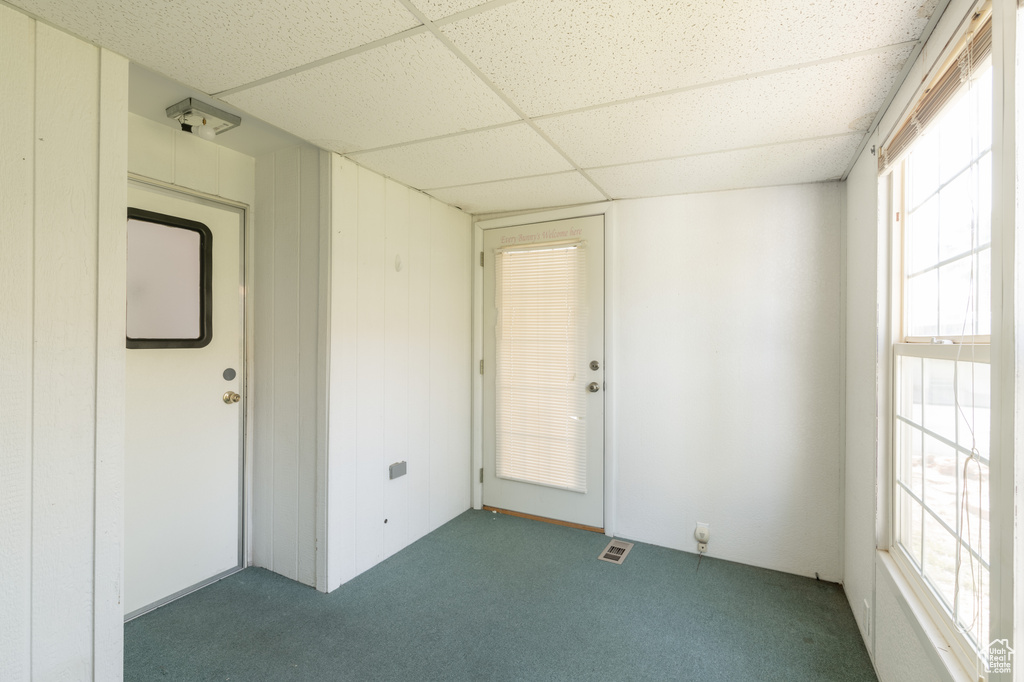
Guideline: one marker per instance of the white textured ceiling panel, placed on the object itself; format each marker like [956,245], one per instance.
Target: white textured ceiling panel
[562,189]
[508,152]
[782,164]
[403,91]
[214,45]
[439,9]
[550,56]
[827,99]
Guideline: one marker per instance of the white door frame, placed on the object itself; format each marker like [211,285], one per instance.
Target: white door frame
[246,429]
[605,209]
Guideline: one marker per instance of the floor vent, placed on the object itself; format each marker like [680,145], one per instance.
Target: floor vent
[616,551]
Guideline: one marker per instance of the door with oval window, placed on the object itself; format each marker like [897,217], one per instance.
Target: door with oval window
[544,370]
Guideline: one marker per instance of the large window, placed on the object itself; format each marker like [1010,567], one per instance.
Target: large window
[942,184]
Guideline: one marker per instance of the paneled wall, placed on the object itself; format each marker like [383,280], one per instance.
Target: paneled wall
[160,152]
[62,274]
[287,355]
[400,367]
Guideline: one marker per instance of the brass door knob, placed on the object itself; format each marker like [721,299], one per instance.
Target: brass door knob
[231,397]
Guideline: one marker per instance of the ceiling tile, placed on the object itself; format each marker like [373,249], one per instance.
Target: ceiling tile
[403,91]
[827,99]
[550,56]
[782,164]
[508,152]
[214,45]
[439,9]
[561,189]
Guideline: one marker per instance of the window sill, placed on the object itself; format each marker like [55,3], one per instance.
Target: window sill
[921,621]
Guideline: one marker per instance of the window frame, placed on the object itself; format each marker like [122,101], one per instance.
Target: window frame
[205,281]
[966,348]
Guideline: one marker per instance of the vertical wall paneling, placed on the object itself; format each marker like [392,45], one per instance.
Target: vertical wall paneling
[66,130]
[343,425]
[453,493]
[286,363]
[151,152]
[396,364]
[263,367]
[195,163]
[420,268]
[370,372]
[308,354]
[400,383]
[439,402]
[159,152]
[62,168]
[287,431]
[110,370]
[17,54]
[323,372]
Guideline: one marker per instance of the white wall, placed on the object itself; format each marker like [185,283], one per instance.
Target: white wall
[287,353]
[726,364]
[400,368]
[902,642]
[175,157]
[62,274]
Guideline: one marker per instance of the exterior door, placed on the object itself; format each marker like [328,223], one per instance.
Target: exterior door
[544,370]
[183,455]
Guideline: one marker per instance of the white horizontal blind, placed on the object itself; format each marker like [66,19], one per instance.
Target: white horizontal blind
[540,407]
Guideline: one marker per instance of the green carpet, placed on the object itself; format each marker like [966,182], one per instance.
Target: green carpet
[493,597]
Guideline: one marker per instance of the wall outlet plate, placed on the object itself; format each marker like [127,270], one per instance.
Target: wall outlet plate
[702,547]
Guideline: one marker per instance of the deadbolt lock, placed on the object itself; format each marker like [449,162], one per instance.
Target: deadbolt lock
[231,397]
[595,365]
[593,387]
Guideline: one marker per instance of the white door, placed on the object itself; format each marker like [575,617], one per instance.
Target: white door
[183,460]
[544,370]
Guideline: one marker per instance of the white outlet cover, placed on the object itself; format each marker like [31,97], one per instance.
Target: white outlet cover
[702,533]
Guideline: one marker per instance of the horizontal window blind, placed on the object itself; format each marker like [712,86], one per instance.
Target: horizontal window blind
[540,406]
[977,49]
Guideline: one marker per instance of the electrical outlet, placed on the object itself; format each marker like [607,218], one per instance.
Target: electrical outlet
[702,534]
[702,547]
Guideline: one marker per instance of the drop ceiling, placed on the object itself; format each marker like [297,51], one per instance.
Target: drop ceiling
[520,104]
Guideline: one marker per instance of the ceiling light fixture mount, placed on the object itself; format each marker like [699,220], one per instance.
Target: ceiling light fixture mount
[201,118]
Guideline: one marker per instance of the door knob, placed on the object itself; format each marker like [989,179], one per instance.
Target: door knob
[595,365]
[231,397]
[593,387]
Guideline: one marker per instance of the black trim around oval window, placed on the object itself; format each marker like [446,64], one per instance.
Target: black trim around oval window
[205,281]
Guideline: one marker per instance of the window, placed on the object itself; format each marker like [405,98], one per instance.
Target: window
[169,279]
[942,180]
[541,434]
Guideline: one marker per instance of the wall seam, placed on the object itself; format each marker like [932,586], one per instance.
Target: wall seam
[32,355]
[96,340]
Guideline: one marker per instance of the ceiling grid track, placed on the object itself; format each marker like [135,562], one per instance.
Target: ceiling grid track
[501,95]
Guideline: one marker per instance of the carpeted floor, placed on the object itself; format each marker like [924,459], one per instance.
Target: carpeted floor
[493,597]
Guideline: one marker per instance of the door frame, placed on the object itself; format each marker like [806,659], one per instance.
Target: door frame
[605,209]
[245,436]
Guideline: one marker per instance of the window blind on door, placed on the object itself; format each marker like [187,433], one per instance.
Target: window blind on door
[540,401]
